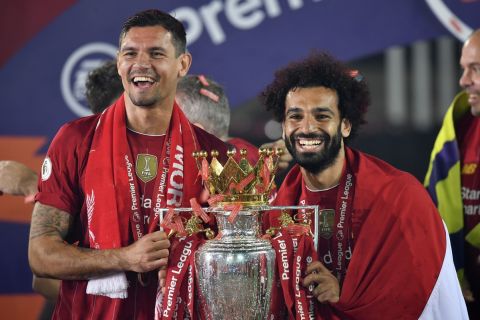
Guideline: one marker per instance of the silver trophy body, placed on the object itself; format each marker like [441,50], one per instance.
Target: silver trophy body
[235,271]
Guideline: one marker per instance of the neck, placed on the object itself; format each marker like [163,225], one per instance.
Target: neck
[152,120]
[327,178]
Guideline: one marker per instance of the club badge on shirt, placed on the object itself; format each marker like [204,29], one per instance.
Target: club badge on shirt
[146,167]
[327,218]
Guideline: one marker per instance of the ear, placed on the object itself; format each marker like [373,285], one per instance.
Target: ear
[283,130]
[185,61]
[346,127]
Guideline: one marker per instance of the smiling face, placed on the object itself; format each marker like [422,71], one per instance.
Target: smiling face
[313,130]
[149,67]
[470,63]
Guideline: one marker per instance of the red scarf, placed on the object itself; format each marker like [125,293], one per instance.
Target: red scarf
[395,263]
[112,189]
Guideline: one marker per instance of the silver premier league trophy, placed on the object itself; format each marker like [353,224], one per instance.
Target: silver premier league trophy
[235,271]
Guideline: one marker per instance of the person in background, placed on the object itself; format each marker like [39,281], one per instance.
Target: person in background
[95,224]
[453,176]
[383,251]
[103,86]
[205,104]
[17,179]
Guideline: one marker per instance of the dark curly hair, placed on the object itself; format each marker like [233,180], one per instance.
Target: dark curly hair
[152,18]
[320,69]
[103,86]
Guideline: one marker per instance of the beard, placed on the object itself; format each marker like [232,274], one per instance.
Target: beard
[316,162]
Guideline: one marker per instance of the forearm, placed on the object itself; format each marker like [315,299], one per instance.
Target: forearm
[51,257]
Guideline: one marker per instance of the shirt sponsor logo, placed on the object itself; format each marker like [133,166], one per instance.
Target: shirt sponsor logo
[46,169]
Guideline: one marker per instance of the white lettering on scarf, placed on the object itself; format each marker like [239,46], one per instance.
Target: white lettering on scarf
[300,310]
[297,276]
[174,281]
[133,193]
[345,196]
[175,192]
[190,284]
[173,284]
[283,252]
[183,257]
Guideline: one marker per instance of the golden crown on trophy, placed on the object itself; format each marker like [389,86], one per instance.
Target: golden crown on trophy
[239,182]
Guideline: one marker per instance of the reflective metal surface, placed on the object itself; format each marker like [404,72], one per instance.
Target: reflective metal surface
[235,271]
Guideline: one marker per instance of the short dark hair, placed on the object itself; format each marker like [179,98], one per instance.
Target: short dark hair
[154,17]
[103,86]
[204,101]
[320,69]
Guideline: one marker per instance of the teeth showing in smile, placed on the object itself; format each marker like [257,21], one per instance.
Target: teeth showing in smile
[309,142]
[142,79]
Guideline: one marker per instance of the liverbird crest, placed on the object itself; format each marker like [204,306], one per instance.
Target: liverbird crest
[239,182]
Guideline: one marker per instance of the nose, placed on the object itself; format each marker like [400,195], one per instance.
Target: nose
[143,59]
[466,78]
[309,123]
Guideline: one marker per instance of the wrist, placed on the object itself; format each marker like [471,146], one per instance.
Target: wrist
[123,261]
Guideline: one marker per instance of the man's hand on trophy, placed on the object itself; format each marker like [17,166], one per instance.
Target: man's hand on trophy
[327,288]
[149,253]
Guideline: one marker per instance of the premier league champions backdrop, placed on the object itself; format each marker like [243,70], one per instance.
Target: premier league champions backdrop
[48,47]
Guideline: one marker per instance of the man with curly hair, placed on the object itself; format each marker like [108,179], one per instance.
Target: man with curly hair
[382,251]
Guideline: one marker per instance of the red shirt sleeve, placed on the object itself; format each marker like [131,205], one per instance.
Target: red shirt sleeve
[60,183]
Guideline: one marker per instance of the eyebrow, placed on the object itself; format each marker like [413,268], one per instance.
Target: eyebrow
[316,109]
[128,48]
[471,64]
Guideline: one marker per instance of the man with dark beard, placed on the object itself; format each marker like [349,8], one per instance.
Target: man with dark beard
[383,251]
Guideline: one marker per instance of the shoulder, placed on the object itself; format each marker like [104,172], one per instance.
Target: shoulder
[73,137]
[377,177]
[77,130]
[386,193]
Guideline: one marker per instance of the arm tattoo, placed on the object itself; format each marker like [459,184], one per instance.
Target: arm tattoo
[49,221]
